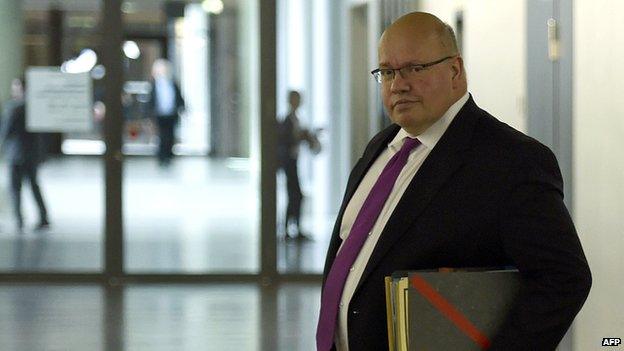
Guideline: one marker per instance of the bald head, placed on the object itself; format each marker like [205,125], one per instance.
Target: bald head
[425,28]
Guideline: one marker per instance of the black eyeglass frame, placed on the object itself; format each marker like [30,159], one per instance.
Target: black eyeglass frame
[419,67]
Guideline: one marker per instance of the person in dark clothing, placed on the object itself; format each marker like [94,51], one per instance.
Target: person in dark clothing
[447,185]
[166,104]
[24,153]
[290,136]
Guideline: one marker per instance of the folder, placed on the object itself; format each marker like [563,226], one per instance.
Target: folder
[448,310]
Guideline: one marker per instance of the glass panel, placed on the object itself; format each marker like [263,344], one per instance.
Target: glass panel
[190,180]
[48,138]
[326,50]
[306,126]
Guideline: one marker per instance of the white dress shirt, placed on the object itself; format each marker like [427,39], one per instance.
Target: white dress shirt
[428,139]
[165,97]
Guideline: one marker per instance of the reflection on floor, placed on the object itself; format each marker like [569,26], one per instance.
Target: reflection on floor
[199,215]
[158,317]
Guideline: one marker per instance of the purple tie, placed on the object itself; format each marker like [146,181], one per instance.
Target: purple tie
[366,218]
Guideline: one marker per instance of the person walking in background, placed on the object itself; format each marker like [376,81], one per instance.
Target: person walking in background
[24,153]
[290,136]
[166,104]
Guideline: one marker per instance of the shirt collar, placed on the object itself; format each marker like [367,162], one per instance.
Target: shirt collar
[433,134]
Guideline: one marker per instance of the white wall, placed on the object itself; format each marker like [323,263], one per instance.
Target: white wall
[293,55]
[598,164]
[250,79]
[195,79]
[494,52]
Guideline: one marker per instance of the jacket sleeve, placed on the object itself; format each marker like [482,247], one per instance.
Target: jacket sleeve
[180,103]
[7,128]
[538,234]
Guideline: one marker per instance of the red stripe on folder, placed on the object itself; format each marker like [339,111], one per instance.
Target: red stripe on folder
[448,310]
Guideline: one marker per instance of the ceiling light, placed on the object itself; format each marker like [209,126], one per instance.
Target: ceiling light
[83,63]
[214,7]
[131,50]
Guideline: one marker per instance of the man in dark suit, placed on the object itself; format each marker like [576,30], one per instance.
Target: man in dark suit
[290,136]
[166,103]
[448,185]
[24,153]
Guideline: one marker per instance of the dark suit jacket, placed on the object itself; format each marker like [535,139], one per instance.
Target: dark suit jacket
[21,147]
[288,140]
[487,195]
[179,101]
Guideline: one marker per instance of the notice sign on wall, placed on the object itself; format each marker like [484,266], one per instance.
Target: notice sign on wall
[57,101]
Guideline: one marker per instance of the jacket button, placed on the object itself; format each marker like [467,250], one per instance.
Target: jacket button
[355,312]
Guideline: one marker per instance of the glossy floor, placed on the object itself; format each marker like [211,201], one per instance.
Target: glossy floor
[158,317]
[199,215]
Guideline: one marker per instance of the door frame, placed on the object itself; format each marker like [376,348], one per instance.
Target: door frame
[113,271]
[549,92]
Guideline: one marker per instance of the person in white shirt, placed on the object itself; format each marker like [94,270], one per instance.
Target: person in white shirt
[473,192]
[166,104]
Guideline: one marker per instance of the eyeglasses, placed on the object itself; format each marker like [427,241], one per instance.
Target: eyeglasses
[386,75]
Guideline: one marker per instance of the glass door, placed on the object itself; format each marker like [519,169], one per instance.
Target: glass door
[52,180]
[191,194]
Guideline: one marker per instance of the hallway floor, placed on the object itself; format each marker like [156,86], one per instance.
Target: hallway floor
[158,317]
[197,216]
[200,215]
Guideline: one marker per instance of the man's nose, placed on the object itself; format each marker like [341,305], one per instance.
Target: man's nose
[399,83]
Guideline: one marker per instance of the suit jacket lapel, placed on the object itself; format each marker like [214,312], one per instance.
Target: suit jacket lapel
[444,160]
[368,158]
[375,148]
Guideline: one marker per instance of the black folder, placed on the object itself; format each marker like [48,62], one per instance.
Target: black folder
[450,310]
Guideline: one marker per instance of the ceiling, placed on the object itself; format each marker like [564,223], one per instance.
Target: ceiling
[92,5]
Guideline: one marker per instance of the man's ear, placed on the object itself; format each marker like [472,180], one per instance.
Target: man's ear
[458,71]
